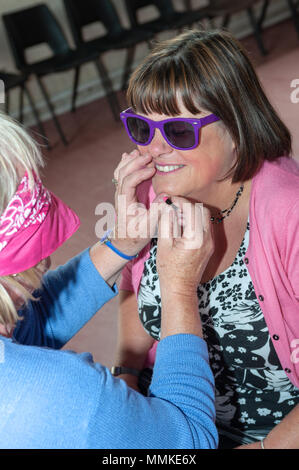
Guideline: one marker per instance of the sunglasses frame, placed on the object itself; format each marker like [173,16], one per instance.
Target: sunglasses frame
[197,124]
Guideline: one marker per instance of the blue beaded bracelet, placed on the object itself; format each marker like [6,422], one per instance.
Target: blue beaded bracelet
[107,242]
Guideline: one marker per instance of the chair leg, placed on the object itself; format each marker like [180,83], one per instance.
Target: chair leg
[226,21]
[150,45]
[128,66]
[37,118]
[263,14]
[111,97]
[75,87]
[21,102]
[6,101]
[257,31]
[295,14]
[56,122]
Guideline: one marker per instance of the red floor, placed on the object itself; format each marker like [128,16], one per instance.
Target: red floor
[81,172]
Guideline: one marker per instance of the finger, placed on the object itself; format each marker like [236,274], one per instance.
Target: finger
[126,159]
[154,214]
[166,227]
[193,226]
[123,161]
[191,221]
[186,215]
[130,164]
[131,181]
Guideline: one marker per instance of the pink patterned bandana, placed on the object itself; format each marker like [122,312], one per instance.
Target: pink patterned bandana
[34,224]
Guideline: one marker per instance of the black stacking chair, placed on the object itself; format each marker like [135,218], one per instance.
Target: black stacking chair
[168,18]
[116,37]
[37,25]
[13,80]
[294,8]
[227,8]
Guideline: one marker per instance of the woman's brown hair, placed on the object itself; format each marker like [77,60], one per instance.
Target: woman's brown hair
[211,70]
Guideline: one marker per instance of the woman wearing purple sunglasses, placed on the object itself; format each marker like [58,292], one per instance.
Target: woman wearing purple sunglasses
[200,117]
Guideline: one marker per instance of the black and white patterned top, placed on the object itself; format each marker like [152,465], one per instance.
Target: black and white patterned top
[253,393]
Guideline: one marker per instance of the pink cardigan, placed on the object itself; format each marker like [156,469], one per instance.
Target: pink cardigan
[272,258]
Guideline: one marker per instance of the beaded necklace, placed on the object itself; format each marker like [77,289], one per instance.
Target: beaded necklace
[227,212]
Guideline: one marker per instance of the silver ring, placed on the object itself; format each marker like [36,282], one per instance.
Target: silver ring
[114,181]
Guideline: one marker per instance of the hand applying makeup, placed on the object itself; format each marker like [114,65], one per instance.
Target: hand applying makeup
[135,224]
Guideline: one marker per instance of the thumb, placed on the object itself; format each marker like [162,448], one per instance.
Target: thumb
[167,227]
[154,214]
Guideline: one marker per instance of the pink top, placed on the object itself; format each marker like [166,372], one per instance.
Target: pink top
[272,257]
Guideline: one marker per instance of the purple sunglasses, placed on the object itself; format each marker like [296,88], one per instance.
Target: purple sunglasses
[179,133]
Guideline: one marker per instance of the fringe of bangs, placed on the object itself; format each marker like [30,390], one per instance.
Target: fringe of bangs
[156,91]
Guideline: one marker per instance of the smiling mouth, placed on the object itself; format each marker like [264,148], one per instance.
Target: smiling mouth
[168,168]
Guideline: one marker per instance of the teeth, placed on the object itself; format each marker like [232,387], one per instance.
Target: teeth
[168,168]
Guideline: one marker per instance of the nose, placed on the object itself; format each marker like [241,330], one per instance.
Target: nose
[158,145]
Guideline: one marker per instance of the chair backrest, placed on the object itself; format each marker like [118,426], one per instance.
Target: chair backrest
[165,8]
[32,26]
[81,13]
[226,4]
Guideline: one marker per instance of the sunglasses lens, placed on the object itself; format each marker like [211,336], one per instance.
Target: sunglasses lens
[139,129]
[180,134]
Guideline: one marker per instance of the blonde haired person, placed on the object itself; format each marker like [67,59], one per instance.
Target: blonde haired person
[19,153]
[58,399]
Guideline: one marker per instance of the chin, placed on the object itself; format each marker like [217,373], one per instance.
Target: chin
[168,188]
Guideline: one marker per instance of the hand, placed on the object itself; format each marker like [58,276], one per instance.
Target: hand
[183,252]
[135,224]
[134,228]
[182,256]
[253,445]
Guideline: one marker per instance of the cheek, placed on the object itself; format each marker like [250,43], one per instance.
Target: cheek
[218,148]
[213,157]
[198,162]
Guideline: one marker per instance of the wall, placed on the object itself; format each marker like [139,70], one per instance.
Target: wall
[59,85]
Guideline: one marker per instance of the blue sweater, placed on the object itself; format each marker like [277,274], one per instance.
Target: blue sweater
[60,399]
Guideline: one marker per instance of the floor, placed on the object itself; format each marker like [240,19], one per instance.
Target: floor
[81,172]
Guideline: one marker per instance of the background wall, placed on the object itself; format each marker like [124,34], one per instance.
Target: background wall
[59,85]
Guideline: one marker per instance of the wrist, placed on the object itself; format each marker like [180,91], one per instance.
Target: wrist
[180,294]
[126,246]
[108,264]
[120,247]
[180,315]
